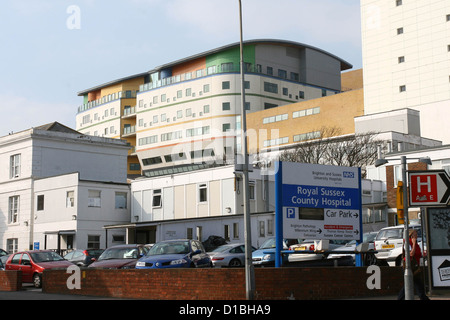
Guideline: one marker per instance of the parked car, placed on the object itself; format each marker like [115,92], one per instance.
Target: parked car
[3,261]
[32,264]
[369,258]
[391,238]
[83,258]
[229,255]
[122,256]
[310,245]
[3,253]
[264,256]
[182,253]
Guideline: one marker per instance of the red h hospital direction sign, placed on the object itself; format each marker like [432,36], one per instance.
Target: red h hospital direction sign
[428,188]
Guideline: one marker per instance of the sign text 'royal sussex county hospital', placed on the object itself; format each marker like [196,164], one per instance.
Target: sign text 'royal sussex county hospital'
[319,202]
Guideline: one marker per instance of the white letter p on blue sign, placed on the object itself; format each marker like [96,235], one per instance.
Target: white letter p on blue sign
[290,213]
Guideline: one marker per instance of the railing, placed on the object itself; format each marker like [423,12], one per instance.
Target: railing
[129,111]
[129,130]
[127,94]
[198,74]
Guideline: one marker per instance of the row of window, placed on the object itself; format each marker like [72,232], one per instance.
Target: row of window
[296,138]
[195,154]
[271,87]
[296,114]
[192,132]
[94,200]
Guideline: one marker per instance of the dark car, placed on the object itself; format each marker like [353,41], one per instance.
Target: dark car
[120,257]
[3,261]
[183,253]
[32,264]
[83,258]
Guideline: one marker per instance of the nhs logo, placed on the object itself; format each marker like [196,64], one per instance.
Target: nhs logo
[348,174]
[290,213]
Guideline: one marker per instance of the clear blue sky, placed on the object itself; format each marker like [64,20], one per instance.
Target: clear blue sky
[52,49]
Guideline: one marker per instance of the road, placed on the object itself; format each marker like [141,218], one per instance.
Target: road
[28,292]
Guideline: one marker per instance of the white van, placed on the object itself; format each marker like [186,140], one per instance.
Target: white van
[388,244]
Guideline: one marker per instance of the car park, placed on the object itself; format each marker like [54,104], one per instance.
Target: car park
[388,244]
[120,257]
[229,255]
[33,263]
[83,258]
[182,253]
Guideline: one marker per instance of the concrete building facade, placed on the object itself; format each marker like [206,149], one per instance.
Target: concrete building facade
[48,176]
[406,60]
[188,111]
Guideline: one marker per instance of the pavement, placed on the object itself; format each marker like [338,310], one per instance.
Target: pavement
[28,292]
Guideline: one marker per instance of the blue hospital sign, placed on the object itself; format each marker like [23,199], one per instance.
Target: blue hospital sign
[320,202]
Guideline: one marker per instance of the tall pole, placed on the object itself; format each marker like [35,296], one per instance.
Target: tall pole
[249,271]
[408,276]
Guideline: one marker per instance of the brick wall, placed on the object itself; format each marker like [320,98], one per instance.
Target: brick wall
[10,280]
[226,284]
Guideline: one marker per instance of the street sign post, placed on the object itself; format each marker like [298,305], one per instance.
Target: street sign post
[317,202]
[428,188]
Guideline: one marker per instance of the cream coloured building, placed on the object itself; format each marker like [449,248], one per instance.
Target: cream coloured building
[406,60]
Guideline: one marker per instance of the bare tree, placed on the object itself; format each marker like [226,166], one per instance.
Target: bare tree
[331,148]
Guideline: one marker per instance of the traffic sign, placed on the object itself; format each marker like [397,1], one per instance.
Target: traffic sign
[428,188]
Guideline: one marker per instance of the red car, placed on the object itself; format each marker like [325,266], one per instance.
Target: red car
[32,264]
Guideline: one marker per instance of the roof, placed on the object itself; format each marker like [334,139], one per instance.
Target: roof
[56,127]
[344,64]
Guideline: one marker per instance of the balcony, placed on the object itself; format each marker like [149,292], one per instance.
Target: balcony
[129,112]
[225,68]
[129,131]
[127,94]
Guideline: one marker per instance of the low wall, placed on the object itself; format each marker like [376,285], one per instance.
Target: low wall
[224,284]
[10,280]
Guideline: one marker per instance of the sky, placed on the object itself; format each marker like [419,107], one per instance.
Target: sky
[53,49]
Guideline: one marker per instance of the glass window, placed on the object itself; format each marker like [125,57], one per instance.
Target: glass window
[94,198]
[202,192]
[93,242]
[225,85]
[270,87]
[13,209]
[121,200]
[70,199]
[40,202]
[25,259]
[14,166]
[157,199]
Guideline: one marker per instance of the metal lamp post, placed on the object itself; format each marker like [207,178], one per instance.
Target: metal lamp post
[408,275]
[249,269]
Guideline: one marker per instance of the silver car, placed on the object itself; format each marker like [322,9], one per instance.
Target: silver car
[229,255]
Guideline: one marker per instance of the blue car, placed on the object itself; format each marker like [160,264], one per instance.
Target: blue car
[175,254]
[265,255]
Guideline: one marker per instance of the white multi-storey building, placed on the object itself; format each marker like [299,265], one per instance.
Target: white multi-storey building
[187,112]
[406,60]
[59,188]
